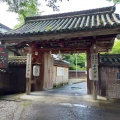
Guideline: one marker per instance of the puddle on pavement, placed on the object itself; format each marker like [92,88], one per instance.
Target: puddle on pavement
[79,105]
[76,105]
[66,104]
[76,94]
[75,88]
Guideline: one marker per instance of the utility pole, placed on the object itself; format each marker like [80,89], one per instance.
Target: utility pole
[76,64]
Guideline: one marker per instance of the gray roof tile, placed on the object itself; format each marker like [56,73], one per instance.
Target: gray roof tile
[109,59]
[66,22]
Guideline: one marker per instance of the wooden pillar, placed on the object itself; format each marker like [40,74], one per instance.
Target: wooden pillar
[89,82]
[28,71]
[94,68]
[94,90]
[40,80]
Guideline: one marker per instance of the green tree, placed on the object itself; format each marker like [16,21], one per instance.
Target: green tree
[24,8]
[114,1]
[30,9]
[18,6]
[27,8]
[116,47]
[81,58]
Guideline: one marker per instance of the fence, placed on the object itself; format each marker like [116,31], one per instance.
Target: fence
[12,80]
[80,74]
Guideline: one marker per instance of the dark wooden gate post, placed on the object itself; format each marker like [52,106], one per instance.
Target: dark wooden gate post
[94,68]
[40,80]
[89,82]
[28,71]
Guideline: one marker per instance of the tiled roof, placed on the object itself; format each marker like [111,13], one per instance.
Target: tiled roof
[17,60]
[4,28]
[61,63]
[21,60]
[68,22]
[110,59]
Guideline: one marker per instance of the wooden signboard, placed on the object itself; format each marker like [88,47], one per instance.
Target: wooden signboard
[3,57]
[94,66]
[28,65]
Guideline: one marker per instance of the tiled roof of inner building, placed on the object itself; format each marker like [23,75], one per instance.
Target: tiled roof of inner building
[4,27]
[68,22]
[110,59]
[21,60]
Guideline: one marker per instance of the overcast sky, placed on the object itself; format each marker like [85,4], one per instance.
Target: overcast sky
[10,19]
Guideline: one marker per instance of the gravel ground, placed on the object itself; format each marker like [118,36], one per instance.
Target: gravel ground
[7,109]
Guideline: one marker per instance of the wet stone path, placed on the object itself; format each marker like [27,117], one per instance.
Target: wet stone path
[67,111]
[70,89]
[50,108]
[36,110]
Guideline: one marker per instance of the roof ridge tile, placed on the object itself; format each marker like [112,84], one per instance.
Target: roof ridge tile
[82,12]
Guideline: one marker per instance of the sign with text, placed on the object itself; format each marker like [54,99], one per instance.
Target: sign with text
[28,65]
[94,66]
[3,57]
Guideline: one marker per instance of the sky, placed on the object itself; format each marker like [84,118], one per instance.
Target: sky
[10,19]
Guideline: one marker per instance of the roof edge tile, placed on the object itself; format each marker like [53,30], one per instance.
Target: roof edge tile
[110,9]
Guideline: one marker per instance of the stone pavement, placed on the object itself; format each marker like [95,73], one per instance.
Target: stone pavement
[68,102]
[52,110]
[66,111]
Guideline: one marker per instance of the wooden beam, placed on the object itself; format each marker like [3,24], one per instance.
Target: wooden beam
[87,33]
[62,49]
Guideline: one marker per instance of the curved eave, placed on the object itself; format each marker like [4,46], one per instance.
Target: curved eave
[61,34]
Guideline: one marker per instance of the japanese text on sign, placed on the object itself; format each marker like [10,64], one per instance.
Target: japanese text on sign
[94,66]
[3,57]
[28,65]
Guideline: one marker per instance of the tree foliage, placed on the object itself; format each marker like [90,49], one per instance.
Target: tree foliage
[114,1]
[116,47]
[23,7]
[52,4]
[27,8]
[81,58]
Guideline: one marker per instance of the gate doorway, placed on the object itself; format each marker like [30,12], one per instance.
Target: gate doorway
[60,81]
